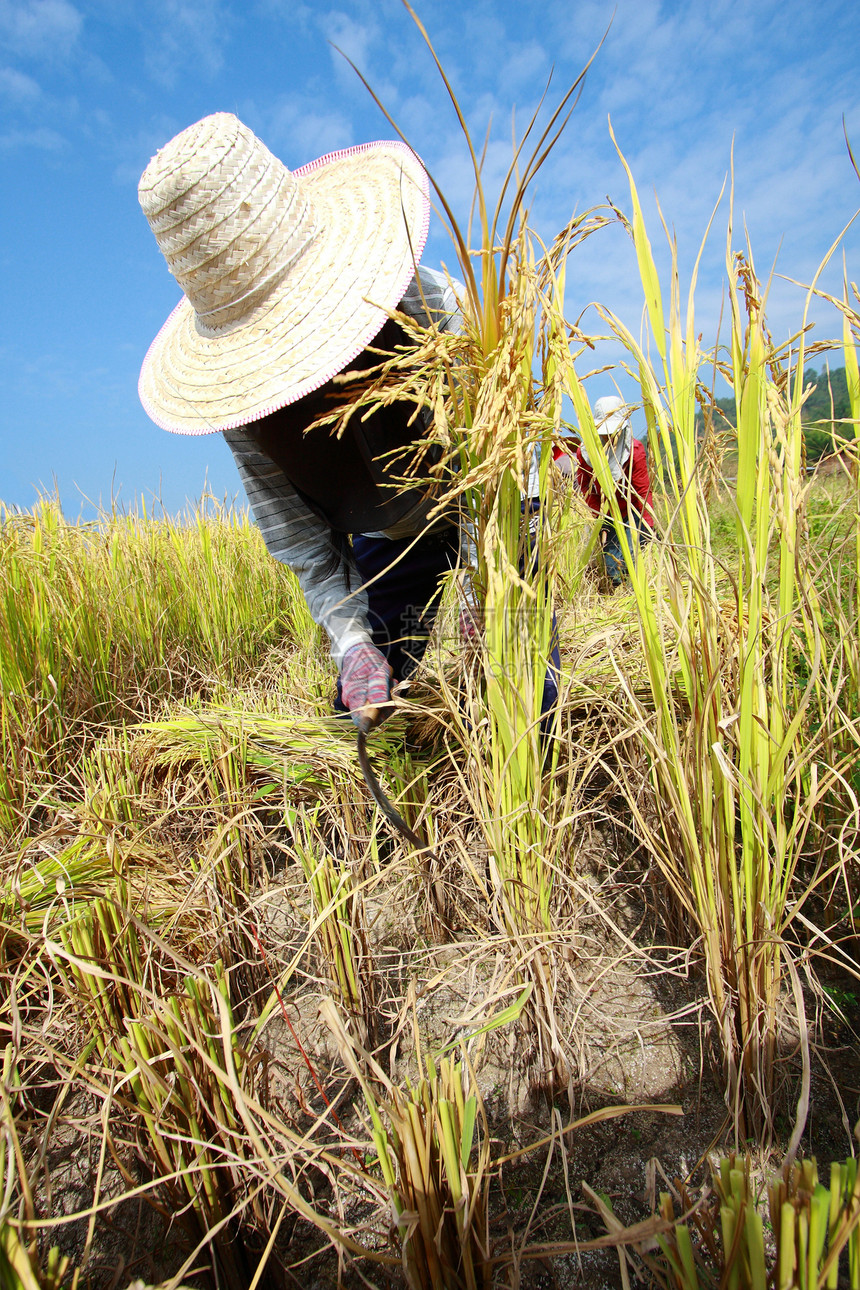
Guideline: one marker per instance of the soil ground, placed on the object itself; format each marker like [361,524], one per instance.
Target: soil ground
[636,1020]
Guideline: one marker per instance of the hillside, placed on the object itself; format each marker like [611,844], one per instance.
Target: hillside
[826,410]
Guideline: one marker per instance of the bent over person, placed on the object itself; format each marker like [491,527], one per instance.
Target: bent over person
[288,277]
[628,465]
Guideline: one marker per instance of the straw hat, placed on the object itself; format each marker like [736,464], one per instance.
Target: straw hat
[611,414]
[287,275]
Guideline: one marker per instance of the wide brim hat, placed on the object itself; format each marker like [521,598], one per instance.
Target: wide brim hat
[287,275]
[611,416]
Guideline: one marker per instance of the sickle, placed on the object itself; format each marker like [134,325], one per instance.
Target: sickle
[368,720]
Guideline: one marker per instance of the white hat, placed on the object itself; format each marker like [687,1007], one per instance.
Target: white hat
[611,415]
[287,275]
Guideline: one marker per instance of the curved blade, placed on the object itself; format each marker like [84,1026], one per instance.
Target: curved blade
[385,806]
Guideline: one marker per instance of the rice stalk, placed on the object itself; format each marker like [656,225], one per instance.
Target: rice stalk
[432,1145]
[492,419]
[732,783]
[111,784]
[37,892]
[98,620]
[508,742]
[22,1265]
[500,422]
[164,1041]
[721,1239]
[339,921]
[160,1040]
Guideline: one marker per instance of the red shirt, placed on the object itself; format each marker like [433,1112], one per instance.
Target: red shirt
[634,484]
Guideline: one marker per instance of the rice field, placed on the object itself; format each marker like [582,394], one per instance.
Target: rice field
[596,1027]
[231,993]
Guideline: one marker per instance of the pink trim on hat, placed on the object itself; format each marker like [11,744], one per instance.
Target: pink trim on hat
[417,249]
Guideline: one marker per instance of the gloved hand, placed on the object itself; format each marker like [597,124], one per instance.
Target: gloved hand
[471,623]
[365,682]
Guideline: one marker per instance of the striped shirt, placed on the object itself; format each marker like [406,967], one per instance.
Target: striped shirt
[298,537]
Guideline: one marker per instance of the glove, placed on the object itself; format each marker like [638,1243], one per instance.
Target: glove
[471,624]
[365,682]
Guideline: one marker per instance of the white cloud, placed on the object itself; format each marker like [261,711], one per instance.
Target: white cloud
[527,65]
[680,82]
[46,140]
[134,151]
[298,133]
[39,28]
[352,38]
[18,87]
[186,36]
[294,12]
[362,41]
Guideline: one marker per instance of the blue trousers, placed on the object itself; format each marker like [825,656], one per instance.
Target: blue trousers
[613,556]
[403,600]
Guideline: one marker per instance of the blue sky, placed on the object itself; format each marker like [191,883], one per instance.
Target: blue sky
[90,89]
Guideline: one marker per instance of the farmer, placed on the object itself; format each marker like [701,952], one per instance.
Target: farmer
[629,467]
[288,277]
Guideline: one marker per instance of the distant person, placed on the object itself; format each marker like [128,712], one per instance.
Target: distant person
[561,454]
[628,464]
[563,462]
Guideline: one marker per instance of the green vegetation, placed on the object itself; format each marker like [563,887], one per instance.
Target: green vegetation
[826,418]
[303,1041]
[811,1225]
